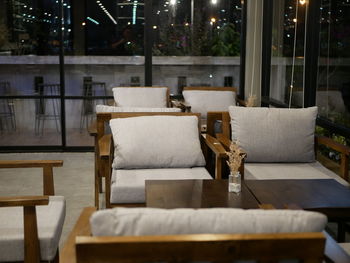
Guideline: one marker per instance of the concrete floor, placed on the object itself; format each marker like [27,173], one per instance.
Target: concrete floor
[74,181]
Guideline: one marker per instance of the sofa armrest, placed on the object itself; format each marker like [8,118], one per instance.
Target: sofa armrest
[104,145]
[47,165]
[214,145]
[342,149]
[24,201]
[30,163]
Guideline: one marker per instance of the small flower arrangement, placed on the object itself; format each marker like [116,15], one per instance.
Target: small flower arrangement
[251,101]
[235,157]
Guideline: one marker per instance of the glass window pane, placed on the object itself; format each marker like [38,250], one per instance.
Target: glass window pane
[287,54]
[196,43]
[29,73]
[333,91]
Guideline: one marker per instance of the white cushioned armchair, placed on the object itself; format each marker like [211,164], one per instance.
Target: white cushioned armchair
[280,143]
[130,99]
[31,226]
[150,146]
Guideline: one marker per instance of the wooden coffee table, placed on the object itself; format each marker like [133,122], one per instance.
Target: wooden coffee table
[196,194]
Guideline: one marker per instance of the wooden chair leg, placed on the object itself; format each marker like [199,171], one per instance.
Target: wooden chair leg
[31,241]
[97,192]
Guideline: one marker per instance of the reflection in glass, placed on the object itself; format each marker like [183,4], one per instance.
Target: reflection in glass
[287,62]
[333,91]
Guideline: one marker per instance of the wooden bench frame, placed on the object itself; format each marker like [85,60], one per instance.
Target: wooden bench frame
[105,149]
[82,247]
[29,203]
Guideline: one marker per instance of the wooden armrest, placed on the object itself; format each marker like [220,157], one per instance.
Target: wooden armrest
[30,163]
[81,228]
[24,201]
[214,145]
[226,142]
[333,144]
[92,129]
[104,145]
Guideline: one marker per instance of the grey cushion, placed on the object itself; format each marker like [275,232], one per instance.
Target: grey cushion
[271,171]
[275,135]
[156,142]
[153,221]
[50,220]
[141,97]
[202,101]
[128,186]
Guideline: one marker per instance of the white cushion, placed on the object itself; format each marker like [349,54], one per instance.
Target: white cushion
[203,101]
[106,108]
[128,186]
[275,135]
[272,171]
[50,220]
[156,142]
[141,97]
[153,221]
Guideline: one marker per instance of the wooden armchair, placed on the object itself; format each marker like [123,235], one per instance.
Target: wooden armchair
[81,246]
[129,99]
[106,155]
[225,139]
[42,225]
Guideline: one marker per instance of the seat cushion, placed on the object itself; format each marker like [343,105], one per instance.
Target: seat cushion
[155,221]
[202,101]
[106,108]
[141,97]
[271,171]
[128,186]
[156,142]
[50,220]
[275,135]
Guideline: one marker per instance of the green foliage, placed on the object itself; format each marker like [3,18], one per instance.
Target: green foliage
[226,41]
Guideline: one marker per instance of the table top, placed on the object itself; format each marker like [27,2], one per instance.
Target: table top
[323,195]
[196,194]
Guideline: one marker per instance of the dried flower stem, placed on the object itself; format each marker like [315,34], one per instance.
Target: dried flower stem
[251,101]
[235,157]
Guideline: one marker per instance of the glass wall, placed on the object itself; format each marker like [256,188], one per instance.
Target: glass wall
[196,43]
[287,53]
[333,89]
[29,73]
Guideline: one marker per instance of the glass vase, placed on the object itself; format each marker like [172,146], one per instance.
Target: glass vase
[234,182]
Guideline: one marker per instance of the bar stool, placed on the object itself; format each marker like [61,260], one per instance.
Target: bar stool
[7,109]
[91,89]
[47,109]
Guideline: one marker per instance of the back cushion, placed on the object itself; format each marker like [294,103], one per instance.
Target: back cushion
[140,97]
[106,108]
[275,135]
[154,221]
[203,101]
[156,142]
